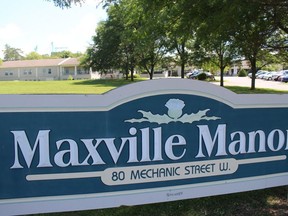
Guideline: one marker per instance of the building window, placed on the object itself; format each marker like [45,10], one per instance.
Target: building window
[11,74]
[49,71]
[6,73]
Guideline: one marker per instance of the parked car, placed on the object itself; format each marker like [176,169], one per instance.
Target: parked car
[194,75]
[276,75]
[258,73]
[285,78]
[268,76]
[189,74]
[284,73]
[261,74]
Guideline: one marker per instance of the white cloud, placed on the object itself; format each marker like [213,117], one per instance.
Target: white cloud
[75,40]
[71,29]
[93,2]
[9,32]
[78,38]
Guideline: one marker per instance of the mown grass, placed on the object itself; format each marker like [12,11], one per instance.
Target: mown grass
[61,87]
[247,90]
[92,87]
[270,202]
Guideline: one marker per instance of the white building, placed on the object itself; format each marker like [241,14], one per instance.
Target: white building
[44,69]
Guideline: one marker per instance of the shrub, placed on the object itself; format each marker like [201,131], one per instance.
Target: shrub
[202,76]
[135,76]
[70,77]
[242,73]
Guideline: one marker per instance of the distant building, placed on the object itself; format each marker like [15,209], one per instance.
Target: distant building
[235,68]
[44,69]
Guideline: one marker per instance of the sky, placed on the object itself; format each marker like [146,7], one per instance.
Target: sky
[37,25]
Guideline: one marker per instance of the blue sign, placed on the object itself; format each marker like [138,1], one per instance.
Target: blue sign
[173,139]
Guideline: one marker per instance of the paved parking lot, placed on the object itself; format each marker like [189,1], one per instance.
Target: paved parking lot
[246,81]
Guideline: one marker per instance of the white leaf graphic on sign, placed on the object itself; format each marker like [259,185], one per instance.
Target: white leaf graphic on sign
[175,114]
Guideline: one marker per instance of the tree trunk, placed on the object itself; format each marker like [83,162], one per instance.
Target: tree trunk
[182,69]
[183,60]
[132,74]
[222,76]
[126,73]
[151,72]
[254,70]
[221,71]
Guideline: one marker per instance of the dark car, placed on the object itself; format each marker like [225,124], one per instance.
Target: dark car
[284,78]
[276,75]
[284,73]
[194,75]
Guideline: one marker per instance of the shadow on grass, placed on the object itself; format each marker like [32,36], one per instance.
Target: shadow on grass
[106,82]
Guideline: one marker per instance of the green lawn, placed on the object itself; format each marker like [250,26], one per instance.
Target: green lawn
[61,87]
[263,202]
[246,90]
[88,87]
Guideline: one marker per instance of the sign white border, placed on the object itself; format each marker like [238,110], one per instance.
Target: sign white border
[66,103]
[116,97]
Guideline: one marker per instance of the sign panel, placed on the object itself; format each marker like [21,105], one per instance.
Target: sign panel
[152,141]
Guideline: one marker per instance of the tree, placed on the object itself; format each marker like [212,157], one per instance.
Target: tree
[180,27]
[127,39]
[276,11]
[252,32]
[65,54]
[216,51]
[149,36]
[33,56]
[66,3]
[12,54]
[103,55]
[214,43]
[249,28]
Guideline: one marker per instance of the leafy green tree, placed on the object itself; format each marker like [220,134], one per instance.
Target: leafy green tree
[276,12]
[66,3]
[221,28]
[252,32]
[213,43]
[267,58]
[103,55]
[12,54]
[180,29]
[33,56]
[150,37]
[114,44]
[62,54]
[129,35]
[129,38]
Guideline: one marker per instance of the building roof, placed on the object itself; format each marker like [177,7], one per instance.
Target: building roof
[40,63]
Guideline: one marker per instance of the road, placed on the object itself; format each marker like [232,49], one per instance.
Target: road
[246,81]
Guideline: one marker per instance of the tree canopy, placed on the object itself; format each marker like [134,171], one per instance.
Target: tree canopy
[12,54]
[141,33]
[66,3]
